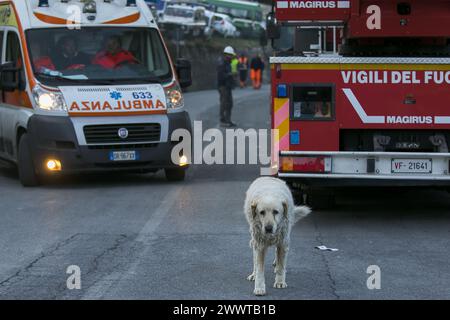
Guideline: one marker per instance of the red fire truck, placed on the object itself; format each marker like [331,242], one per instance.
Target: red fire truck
[367,101]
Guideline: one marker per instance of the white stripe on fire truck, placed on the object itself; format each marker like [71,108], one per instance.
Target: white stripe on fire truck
[380,119]
[441,120]
[360,110]
[343,4]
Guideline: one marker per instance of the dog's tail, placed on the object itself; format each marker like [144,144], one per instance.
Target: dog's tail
[301,212]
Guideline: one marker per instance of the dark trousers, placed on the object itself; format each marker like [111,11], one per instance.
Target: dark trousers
[226,103]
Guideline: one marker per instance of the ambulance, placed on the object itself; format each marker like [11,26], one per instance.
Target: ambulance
[365,102]
[88,86]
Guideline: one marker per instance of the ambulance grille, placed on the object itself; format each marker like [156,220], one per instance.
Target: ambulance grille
[137,132]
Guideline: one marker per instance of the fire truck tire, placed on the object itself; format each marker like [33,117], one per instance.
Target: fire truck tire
[175,174]
[298,196]
[321,200]
[27,172]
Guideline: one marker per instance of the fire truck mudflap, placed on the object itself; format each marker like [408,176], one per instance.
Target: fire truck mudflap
[362,121]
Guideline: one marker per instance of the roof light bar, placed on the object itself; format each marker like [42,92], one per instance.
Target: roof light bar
[90,7]
[131,3]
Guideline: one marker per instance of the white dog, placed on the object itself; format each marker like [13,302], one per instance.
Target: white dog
[270,212]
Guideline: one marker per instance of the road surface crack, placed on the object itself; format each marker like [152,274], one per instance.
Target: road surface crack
[20,273]
[95,262]
[325,262]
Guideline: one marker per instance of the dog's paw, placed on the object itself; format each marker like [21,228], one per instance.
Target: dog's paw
[280,285]
[251,277]
[259,291]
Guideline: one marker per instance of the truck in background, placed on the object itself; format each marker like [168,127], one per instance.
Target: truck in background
[372,108]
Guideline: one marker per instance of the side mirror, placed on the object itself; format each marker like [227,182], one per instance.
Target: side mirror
[272,28]
[183,68]
[9,77]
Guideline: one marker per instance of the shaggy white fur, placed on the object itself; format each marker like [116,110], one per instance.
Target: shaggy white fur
[270,212]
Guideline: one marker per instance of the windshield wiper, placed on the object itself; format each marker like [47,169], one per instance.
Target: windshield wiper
[117,81]
[58,77]
[87,80]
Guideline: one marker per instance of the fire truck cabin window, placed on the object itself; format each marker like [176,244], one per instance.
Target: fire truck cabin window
[312,103]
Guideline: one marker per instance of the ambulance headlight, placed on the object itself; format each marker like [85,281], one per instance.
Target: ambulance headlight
[49,100]
[174,97]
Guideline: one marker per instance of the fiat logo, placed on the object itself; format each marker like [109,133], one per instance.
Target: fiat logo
[123,133]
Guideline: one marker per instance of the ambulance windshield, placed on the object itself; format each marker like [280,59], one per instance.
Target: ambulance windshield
[98,55]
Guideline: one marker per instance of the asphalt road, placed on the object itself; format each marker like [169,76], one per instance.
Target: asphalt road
[140,237]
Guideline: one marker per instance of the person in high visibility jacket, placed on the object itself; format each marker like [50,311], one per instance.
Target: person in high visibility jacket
[234,65]
[113,56]
[234,68]
[256,70]
[243,70]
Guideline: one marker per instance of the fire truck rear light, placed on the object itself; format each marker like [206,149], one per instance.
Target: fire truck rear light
[287,164]
[306,164]
[281,91]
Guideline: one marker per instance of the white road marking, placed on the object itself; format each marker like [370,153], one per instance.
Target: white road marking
[98,290]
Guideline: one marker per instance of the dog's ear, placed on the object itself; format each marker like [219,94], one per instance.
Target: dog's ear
[285,209]
[253,206]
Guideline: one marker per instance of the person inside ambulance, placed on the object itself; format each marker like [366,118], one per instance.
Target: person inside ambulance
[113,55]
[68,56]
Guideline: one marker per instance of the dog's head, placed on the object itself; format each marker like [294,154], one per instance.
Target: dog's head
[270,212]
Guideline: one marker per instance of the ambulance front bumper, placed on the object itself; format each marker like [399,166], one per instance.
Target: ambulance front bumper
[59,138]
[366,168]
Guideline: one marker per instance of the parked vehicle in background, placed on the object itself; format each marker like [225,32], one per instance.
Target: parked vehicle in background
[221,24]
[246,16]
[237,8]
[248,28]
[190,19]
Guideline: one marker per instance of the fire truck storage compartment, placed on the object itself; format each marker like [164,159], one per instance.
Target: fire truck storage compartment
[394,140]
[313,102]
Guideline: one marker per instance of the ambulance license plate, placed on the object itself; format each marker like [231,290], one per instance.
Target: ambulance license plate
[411,166]
[123,156]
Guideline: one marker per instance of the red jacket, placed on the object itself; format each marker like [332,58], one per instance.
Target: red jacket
[43,62]
[107,60]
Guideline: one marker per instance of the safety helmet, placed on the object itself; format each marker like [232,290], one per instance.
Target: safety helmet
[229,50]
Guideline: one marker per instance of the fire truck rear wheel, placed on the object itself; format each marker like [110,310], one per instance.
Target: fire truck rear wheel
[175,174]
[27,172]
